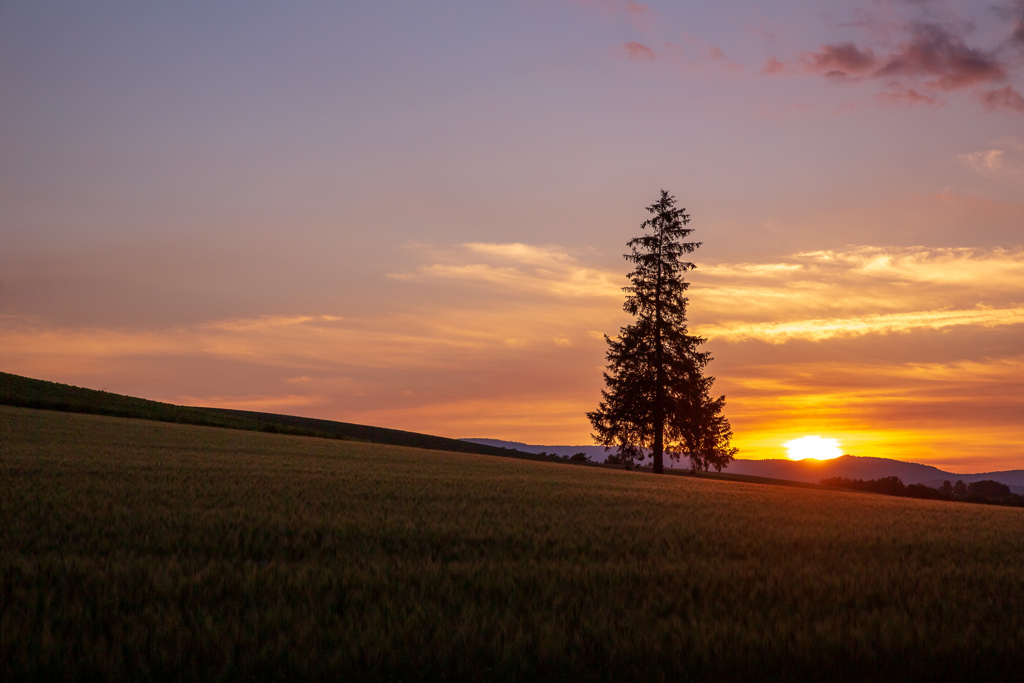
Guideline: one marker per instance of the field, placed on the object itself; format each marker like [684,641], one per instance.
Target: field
[142,550]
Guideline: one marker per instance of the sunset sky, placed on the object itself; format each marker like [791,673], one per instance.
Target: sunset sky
[413,214]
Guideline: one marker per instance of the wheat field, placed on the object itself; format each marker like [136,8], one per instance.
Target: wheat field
[150,551]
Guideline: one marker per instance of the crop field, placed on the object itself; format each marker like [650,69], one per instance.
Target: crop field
[140,550]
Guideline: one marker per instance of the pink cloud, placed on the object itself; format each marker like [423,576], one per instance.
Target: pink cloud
[1003,98]
[905,96]
[933,51]
[636,8]
[843,58]
[715,54]
[635,50]
[772,66]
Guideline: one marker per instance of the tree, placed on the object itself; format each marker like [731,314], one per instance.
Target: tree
[656,394]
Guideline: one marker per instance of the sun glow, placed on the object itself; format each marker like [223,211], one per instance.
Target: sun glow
[814,447]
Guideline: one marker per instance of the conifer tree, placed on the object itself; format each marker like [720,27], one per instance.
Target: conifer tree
[656,394]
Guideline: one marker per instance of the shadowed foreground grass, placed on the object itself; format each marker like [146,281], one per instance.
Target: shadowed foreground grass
[141,550]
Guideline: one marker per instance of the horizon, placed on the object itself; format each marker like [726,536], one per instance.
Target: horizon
[414,217]
[674,464]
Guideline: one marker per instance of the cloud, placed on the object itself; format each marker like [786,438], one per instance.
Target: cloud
[545,256]
[635,50]
[987,162]
[934,51]
[1003,164]
[1014,12]
[821,329]
[772,66]
[841,58]
[545,271]
[1006,97]
[264,322]
[715,54]
[907,96]
[517,353]
[824,295]
[918,53]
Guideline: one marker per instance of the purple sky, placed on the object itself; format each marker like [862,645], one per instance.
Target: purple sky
[413,214]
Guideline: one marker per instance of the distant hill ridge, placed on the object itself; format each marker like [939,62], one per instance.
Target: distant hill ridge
[813,471]
[25,392]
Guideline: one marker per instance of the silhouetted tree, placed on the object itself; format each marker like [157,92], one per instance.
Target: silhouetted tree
[946,489]
[657,396]
[960,488]
[988,489]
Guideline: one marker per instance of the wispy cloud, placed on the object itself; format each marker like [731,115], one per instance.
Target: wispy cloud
[823,295]
[542,270]
[1004,163]
[821,329]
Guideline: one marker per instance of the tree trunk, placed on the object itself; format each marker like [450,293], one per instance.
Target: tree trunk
[659,369]
[659,438]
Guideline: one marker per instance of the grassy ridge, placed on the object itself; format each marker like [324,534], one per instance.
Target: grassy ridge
[152,551]
[25,392]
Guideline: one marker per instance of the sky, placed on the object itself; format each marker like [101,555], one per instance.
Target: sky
[413,215]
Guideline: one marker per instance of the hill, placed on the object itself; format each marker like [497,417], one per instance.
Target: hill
[25,392]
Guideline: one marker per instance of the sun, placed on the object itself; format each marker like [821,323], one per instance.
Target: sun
[814,447]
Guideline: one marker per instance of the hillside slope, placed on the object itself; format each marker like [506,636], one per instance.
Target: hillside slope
[26,392]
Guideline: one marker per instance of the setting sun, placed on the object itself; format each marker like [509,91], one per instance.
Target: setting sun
[814,447]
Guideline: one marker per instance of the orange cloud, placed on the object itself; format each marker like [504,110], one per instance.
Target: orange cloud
[820,329]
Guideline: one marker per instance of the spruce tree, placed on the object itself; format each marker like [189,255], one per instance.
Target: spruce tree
[656,394]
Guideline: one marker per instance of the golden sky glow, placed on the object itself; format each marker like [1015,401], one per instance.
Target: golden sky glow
[527,354]
[239,206]
[814,447]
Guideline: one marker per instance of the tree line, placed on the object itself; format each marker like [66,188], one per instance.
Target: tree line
[986,491]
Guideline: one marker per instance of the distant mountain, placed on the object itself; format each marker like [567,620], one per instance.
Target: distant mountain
[809,471]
